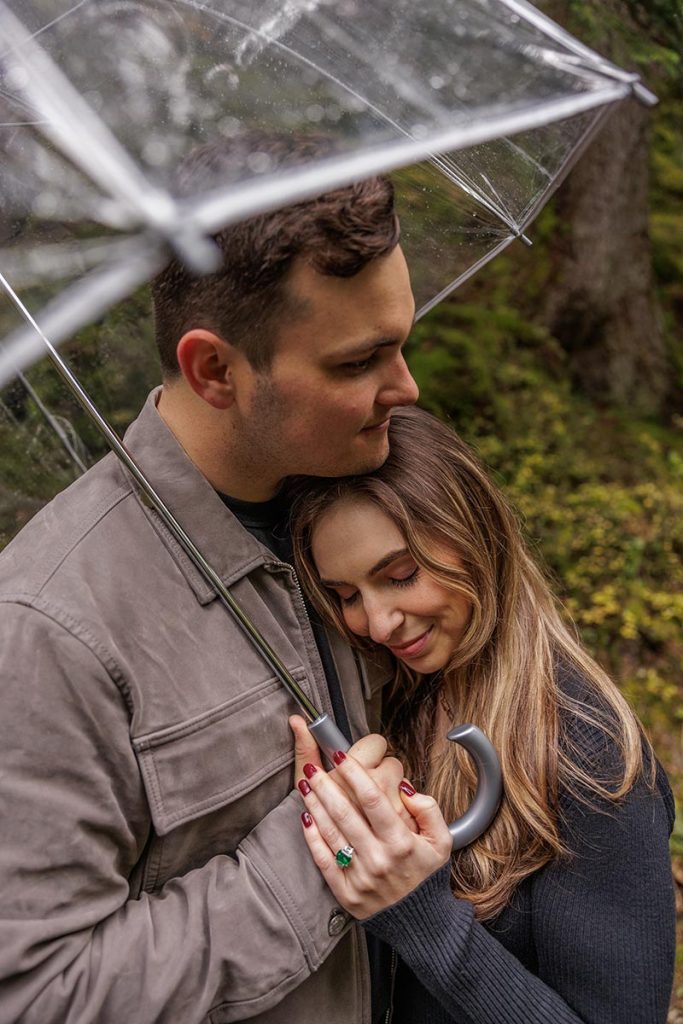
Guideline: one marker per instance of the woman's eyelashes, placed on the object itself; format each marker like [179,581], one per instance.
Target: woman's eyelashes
[394,581]
[406,581]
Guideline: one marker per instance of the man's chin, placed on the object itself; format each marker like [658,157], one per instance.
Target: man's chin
[369,461]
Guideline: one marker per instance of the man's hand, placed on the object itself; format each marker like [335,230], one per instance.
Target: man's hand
[369,751]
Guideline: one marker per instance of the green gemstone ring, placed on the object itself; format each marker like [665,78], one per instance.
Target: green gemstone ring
[344,856]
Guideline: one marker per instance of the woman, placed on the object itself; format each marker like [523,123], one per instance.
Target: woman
[563,910]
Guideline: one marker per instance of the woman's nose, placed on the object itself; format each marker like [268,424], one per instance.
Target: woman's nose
[383,621]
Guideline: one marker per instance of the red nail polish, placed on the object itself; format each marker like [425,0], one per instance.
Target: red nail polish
[338,756]
[307,819]
[304,787]
[406,788]
[309,770]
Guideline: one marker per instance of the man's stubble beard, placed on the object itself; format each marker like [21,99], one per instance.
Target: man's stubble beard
[262,450]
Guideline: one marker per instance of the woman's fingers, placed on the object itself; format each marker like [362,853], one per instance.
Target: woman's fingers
[370,750]
[430,821]
[388,860]
[365,814]
[331,832]
[324,858]
[383,818]
[306,750]
[339,821]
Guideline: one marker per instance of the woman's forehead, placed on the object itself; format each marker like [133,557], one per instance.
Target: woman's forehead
[351,536]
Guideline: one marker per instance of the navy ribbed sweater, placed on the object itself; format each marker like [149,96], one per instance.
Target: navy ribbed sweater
[589,941]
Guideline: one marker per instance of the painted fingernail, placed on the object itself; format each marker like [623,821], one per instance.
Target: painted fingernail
[307,819]
[304,787]
[309,770]
[406,788]
[338,756]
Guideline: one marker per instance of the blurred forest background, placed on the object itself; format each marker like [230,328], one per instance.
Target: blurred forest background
[562,364]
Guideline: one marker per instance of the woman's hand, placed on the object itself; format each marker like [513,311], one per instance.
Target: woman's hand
[389,860]
[369,751]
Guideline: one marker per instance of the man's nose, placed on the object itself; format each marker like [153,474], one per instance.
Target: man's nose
[383,621]
[399,388]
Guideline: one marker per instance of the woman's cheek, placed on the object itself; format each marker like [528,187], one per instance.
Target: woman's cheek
[356,620]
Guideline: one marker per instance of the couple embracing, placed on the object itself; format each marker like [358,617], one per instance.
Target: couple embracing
[169,828]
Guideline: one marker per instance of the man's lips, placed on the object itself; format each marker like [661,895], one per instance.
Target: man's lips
[413,647]
[378,426]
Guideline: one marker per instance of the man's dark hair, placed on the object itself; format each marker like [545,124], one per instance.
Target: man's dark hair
[337,233]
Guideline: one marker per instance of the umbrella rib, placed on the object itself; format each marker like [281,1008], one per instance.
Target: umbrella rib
[54,424]
[59,260]
[465,276]
[223,206]
[55,21]
[554,31]
[81,135]
[580,146]
[451,171]
[79,305]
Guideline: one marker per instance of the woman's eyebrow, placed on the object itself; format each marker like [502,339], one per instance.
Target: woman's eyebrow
[382,564]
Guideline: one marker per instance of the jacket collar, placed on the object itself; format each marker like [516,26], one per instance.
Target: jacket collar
[225,544]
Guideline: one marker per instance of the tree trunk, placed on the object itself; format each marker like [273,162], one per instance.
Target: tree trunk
[600,301]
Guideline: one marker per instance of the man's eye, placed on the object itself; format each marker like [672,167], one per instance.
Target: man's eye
[359,366]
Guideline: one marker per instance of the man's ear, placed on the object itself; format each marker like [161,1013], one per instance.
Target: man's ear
[207,363]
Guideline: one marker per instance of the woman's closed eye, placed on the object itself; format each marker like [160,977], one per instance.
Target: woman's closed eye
[348,599]
[406,581]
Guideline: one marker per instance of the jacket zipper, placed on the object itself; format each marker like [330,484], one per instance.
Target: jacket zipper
[390,1011]
[306,623]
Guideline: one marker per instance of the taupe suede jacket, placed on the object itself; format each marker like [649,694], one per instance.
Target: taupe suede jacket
[152,863]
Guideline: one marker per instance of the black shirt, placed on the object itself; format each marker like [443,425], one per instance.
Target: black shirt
[268,521]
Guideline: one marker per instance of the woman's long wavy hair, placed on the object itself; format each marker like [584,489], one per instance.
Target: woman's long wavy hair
[503,677]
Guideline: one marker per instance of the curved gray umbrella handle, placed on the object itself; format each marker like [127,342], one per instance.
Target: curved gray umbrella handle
[489,786]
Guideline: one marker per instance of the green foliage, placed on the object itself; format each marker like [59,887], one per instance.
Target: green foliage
[647,35]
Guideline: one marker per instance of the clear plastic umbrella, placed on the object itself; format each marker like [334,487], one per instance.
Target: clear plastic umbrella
[477,107]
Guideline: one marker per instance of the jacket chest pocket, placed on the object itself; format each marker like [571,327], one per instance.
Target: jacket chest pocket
[211,779]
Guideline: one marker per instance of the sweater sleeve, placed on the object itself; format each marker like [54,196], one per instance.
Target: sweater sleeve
[603,926]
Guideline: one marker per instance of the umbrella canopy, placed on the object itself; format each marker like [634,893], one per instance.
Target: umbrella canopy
[477,106]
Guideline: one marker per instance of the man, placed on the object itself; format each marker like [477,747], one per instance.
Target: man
[153,866]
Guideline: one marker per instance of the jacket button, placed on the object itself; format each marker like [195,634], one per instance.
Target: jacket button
[338,922]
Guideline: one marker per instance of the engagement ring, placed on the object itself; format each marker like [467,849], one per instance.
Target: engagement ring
[344,856]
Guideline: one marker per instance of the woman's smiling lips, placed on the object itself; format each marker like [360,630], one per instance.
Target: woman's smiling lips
[413,648]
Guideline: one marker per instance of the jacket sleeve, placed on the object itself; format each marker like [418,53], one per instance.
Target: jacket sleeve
[233,936]
[603,929]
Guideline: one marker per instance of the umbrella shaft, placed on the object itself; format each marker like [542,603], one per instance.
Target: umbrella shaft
[153,499]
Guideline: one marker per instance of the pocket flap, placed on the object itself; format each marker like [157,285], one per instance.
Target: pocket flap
[208,761]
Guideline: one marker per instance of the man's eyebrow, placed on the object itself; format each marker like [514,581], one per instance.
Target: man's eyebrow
[367,346]
[382,564]
[376,343]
